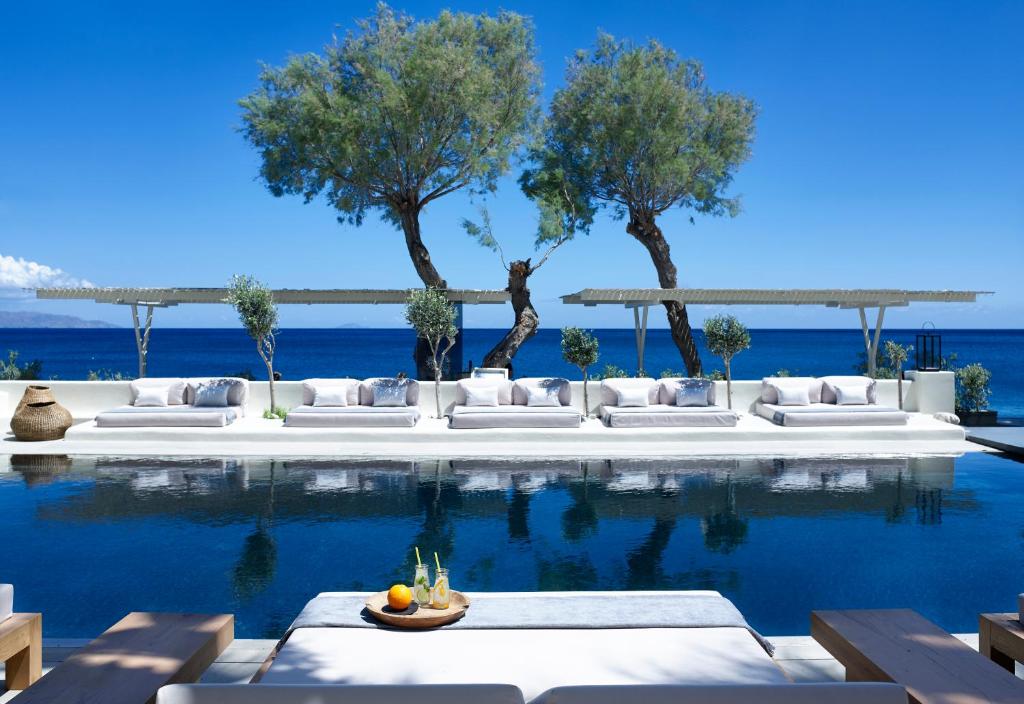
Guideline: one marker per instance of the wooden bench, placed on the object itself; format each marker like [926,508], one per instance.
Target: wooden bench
[21,649]
[134,658]
[900,645]
[1001,639]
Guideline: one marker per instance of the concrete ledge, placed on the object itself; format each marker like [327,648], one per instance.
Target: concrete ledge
[432,438]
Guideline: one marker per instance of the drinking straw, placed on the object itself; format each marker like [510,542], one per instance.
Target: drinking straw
[419,562]
[438,561]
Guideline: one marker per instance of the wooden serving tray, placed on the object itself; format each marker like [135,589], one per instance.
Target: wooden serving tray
[417,616]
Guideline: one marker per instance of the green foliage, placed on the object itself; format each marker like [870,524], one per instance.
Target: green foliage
[277,413]
[107,375]
[399,112]
[254,303]
[783,373]
[725,336]
[611,371]
[579,347]
[713,375]
[433,317]
[12,371]
[636,128]
[972,390]
[897,355]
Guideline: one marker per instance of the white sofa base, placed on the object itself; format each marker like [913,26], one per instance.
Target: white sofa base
[169,417]
[352,417]
[666,416]
[515,416]
[828,414]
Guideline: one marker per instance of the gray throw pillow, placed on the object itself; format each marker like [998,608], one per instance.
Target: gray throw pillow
[213,393]
[390,392]
[693,392]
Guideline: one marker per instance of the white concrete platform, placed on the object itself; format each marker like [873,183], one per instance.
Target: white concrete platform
[433,438]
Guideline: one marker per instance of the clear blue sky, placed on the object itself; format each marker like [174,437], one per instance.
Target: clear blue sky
[888,154]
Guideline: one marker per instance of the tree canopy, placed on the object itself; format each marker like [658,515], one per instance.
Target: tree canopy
[397,115]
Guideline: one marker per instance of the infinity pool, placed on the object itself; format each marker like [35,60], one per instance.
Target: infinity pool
[87,539]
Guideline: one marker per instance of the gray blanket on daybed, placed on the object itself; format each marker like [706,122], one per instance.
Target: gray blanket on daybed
[535,611]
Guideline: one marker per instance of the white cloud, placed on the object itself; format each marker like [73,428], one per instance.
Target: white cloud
[19,274]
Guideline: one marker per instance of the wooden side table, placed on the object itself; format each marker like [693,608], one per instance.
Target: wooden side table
[1001,639]
[21,649]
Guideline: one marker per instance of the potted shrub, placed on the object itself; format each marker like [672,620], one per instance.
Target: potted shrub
[897,355]
[579,347]
[725,337]
[972,392]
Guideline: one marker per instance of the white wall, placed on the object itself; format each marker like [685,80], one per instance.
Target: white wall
[927,392]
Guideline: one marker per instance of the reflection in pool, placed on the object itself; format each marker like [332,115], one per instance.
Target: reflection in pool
[87,539]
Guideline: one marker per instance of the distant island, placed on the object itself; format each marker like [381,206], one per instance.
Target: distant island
[25,319]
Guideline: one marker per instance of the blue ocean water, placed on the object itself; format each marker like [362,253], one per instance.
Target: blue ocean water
[303,353]
[87,539]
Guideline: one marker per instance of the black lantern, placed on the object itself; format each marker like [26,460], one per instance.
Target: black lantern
[928,351]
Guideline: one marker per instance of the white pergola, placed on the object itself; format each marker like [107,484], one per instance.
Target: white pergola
[150,298]
[641,299]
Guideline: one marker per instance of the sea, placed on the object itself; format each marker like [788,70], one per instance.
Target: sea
[361,352]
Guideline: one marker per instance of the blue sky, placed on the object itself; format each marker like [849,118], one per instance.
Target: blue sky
[888,154]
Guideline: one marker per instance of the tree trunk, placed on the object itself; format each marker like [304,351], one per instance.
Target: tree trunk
[409,217]
[728,384]
[899,386]
[526,319]
[270,373]
[586,402]
[650,236]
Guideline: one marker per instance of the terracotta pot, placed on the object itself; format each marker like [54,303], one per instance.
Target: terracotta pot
[34,393]
[45,420]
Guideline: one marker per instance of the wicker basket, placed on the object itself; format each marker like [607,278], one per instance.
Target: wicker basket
[34,394]
[43,420]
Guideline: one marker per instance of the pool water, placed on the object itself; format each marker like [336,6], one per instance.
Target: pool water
[86,539]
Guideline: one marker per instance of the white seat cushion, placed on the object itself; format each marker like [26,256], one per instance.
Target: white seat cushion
[338,694]
[533,660]
[811,693]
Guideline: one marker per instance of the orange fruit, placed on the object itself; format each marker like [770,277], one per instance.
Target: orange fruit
[399,597]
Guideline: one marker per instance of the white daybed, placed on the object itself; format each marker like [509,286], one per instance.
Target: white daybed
[526,403]
[802,402]
[180,403]
[6,601]
[380,402]
[811,693]
[624,405]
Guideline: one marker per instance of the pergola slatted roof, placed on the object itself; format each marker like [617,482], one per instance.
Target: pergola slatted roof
[641,299]
[163,297]
[833,298]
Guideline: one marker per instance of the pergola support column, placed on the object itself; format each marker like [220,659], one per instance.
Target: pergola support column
[871,342]
[640,326]
[142,335]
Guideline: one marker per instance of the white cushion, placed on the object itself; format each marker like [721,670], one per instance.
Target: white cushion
[770,384]
[152,396]
[829,384]
[482,395]
[542,396]
[330,395]
[610,389]
[176,389]
[557,385]
[851,395]
[632,397]
[793,395]
[6,601]
[309,387]
[504,387]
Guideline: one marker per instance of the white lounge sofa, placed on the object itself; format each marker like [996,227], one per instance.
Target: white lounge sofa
[812,693]
[182,407]
[514,404]
[6,601]
[659,408]
[365,406]
[803,402]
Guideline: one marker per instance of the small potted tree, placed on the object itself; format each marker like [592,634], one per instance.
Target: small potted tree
[433,317]
[972,392]
[254,303]
[897,355]
[725,337]
[579,347]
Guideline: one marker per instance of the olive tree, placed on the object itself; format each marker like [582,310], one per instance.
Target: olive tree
[725,337]
[254,303]
[579,348]
[433,317]
[897,355]
[636,129]
[396,115]
[972,389]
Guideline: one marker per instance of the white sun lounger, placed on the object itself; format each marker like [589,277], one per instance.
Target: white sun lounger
[513,409]
[821,407]
[180,411]
[360,411]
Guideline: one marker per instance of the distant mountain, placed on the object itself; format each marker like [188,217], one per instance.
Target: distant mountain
[25,319]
